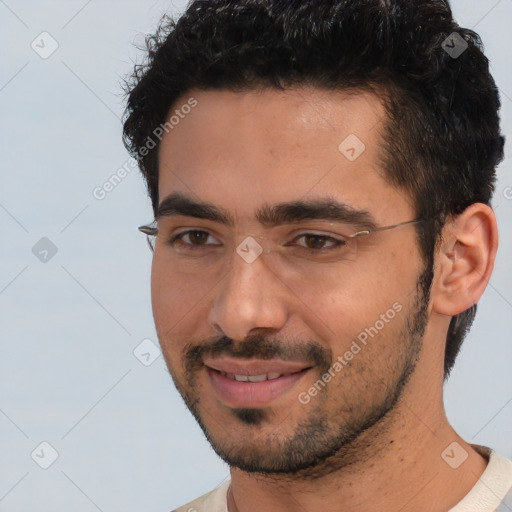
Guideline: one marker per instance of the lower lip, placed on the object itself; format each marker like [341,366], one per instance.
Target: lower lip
[252,394]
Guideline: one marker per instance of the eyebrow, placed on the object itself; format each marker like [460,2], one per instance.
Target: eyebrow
[269,215]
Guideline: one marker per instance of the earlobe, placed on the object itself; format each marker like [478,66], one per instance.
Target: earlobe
[465,261]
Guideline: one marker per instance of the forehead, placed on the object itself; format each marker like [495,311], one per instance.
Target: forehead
[244,148]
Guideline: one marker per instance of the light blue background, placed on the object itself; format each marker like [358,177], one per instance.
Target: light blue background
[69,326]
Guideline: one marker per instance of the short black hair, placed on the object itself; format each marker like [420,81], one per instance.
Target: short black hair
[442,139]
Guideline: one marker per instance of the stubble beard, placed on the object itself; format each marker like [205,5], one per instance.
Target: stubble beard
[320,444]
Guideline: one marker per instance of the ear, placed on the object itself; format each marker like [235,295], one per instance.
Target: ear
[465,260]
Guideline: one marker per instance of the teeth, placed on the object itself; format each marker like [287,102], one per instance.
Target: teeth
[252,378]
[257,378]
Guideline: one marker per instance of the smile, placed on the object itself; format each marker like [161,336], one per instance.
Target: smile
[254,378]
[253,383]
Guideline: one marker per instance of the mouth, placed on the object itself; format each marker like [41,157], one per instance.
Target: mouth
[253,383]
[254,378]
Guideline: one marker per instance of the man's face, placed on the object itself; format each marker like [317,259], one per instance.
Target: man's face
[284,344]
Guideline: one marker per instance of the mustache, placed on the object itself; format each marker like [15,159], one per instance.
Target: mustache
[258,346]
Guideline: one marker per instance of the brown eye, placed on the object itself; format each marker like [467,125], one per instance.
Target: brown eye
[198,237]
[191,238]
[316,242]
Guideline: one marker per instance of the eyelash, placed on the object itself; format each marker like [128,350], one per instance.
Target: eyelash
[192,247]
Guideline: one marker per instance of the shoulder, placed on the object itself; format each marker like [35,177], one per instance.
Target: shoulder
[493,491]
[214,501]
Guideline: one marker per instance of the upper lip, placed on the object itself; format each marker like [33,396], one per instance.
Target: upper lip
[252,367]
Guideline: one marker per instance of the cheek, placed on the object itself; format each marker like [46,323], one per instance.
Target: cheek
[179,309]
[162,296]
[349,303]
[173,297]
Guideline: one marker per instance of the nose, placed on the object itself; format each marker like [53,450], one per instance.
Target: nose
[249,296]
